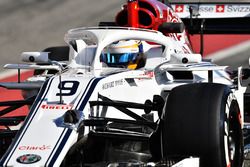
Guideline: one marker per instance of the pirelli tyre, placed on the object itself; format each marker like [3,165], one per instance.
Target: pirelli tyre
[203,120]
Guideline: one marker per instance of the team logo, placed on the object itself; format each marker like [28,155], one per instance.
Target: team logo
[179,8]
[56,107]
[220,8]
[28,159]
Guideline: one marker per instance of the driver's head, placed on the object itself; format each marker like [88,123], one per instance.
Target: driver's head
[124,54]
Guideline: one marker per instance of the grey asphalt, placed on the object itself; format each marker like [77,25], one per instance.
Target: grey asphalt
[233,56]
[32,25]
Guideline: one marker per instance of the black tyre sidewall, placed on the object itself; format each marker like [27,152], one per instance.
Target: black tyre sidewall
[194,123]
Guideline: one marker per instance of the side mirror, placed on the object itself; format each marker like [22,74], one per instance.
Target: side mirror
[35,57]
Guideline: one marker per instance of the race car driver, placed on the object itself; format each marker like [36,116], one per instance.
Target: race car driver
[124,54]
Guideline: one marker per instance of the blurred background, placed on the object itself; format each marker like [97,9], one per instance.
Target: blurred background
[33,25]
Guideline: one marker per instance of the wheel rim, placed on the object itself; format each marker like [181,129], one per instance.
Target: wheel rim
[234,144]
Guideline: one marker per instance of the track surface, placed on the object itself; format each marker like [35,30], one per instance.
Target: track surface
[33,25]
[10,95]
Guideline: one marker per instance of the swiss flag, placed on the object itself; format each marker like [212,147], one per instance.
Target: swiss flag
[220,8]
[179,8]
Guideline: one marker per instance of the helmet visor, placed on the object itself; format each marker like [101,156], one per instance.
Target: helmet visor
[118,59]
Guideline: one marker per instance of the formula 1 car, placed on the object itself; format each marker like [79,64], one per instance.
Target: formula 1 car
[126,95]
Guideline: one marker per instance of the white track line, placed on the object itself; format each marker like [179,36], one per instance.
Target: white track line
[243,47]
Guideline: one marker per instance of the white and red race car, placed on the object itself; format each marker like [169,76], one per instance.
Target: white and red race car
[128,96]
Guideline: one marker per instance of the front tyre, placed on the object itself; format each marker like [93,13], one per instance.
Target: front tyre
[203,120]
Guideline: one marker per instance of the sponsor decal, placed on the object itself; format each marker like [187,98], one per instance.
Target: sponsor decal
[43,147]
[28,158]
[179,8]
[237,8]
[220,8]
[56,107]
[206,9]
[212,10]
[149,74]
[112,84]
